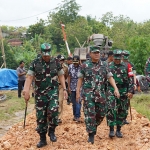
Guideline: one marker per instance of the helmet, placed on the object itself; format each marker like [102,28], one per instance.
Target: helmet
[45,49]
[125,54]
[117,54]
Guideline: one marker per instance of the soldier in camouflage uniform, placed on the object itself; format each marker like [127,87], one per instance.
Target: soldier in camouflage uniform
[125,58]
[93,75]
[147,70]
[117,108]
[46,72]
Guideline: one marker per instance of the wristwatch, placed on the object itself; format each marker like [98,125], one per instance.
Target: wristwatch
[64,89]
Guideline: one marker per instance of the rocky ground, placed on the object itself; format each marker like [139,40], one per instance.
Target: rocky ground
[72,135]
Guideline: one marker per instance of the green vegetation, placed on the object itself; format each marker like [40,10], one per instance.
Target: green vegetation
[142,104]
[125,33]
[11,105]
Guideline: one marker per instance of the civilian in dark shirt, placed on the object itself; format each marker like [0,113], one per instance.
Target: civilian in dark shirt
[21,77]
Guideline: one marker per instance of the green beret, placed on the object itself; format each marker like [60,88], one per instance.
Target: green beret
[94,49]
[117,53]
[45,49]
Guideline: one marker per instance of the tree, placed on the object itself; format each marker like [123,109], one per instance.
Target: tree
[37,28]
[11,62]
[139,47]
[65,13]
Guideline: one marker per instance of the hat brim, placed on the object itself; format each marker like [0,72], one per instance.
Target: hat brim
[96,50]
[75,62]
[46,53]
[117,57]
[125,57]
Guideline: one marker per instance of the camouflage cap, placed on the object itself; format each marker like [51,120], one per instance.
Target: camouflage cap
[45,49]
[117,54]
[125,54]
[94,49]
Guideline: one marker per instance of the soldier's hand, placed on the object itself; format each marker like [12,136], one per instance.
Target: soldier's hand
[117,94]
[26,96]
[65,94]
[130,95]
[135,87]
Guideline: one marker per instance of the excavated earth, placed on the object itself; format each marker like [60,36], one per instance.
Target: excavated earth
[73,136]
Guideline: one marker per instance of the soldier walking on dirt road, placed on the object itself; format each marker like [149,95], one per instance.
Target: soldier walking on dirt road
[46,71]
[117,108]
[92,77]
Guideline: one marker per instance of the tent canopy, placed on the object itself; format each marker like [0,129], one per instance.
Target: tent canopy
[8,79]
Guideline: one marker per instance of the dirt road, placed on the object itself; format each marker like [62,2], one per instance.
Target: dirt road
[72,135]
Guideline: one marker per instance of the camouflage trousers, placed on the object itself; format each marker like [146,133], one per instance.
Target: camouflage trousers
[117,110]
[46,109]
[94,111]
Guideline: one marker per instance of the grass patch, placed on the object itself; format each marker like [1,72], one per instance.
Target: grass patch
[12,104]
[141,102]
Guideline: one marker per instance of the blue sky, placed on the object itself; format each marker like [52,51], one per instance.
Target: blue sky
[138,10]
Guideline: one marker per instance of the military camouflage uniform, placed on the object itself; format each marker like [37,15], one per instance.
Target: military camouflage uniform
[147,69]
[117,109]
[46,91]
[94,77]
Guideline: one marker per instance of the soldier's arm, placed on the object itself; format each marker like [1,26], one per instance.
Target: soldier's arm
[112,82]
[62,81]
[26,90]
[79,84]
[131,85]
[29,79]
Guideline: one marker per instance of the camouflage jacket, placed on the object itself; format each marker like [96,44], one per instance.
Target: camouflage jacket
[46,74]
[147,69]
[124,83]
[94,75]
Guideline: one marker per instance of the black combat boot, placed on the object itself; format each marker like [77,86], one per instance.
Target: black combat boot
[51,134]
[111,133]
[42,140]
[118,133]
[91,137]
[95,131]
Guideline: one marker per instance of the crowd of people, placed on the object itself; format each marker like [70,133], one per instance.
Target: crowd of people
[103,86]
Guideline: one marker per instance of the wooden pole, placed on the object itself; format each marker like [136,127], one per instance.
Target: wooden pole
[2,47]
[65,39]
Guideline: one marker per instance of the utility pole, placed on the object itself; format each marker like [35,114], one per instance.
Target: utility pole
[2,47]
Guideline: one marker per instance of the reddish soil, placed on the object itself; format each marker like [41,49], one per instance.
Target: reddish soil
[73,136]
